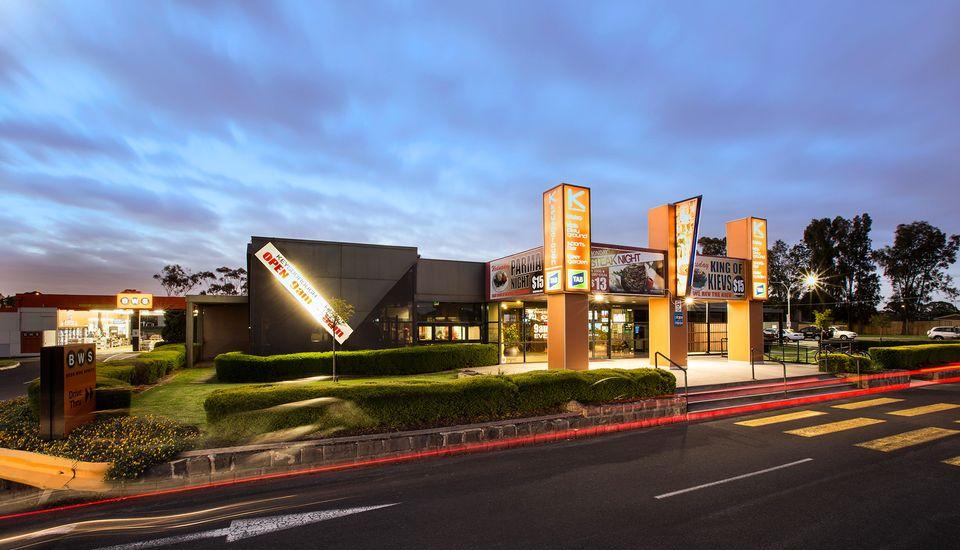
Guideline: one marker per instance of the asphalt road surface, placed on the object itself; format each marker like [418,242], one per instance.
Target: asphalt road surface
[13,382]
[875,476]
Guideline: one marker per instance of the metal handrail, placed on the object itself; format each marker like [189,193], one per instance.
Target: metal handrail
[656,365]
[782,364]
[723,345]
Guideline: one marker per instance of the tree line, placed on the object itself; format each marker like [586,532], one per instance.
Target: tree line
[839,253]
[177,280]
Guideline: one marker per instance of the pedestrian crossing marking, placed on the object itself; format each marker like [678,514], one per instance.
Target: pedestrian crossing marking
[955,461]
[829,428]
[867,403]
[926,409]
[779,418]
[907,439]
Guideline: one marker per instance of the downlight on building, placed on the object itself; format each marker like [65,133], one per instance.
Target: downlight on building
[614,300]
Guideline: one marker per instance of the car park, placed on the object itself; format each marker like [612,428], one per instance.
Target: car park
[944,333]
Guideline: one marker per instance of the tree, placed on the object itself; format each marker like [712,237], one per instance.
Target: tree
[937,309]
[174,326]
[823,319]
[343,310]
[713,246]
[916,265]
[840,251]
[229,282]
[175,280]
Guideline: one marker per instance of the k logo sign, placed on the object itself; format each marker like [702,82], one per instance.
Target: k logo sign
[574,202]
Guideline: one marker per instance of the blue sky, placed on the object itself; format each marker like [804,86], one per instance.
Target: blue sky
[136,134]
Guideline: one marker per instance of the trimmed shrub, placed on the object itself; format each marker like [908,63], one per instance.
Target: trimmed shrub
[240,367]
[322,407]
[865,345]
[914,357]
[839,362]
[118,372]
[133,444]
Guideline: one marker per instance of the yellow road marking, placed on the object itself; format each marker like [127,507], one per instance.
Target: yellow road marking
[822,429]
[779,418]
[927,409]
[867,403]
[906,439]
[955,461]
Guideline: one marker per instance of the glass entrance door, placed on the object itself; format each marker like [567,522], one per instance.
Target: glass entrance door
[641,339]
[621,332]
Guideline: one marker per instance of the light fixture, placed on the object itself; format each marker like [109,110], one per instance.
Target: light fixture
[688,300]
[598,297]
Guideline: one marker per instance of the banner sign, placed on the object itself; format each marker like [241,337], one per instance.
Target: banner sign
[517,275]
[613,270]
[718,277]
[68,384]
[758,258]
[626,271]
[303,292]
[678,313]
[566,239]
[687,224]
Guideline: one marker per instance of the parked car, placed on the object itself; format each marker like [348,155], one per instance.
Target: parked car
[944,333]
[769,334]
[789,334]
[842,334]
[810,333]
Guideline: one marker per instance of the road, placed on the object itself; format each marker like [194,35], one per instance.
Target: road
[794,478]
[13,382]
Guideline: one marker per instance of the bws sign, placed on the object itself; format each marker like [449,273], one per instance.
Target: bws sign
[303,292]
[68,381]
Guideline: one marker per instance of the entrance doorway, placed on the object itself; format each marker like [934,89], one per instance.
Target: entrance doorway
[707,332]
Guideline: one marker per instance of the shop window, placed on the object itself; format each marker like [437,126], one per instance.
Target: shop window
[424,333]
[442,333]
[473,333]
[456,333]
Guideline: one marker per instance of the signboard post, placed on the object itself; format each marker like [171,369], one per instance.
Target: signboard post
[566,269]
[747,239]
[68,382]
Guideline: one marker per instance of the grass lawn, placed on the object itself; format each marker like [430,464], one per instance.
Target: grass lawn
[181,396]
[8,362]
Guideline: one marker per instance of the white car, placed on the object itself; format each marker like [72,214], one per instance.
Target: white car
[841,334]
[944,333]
[792,336]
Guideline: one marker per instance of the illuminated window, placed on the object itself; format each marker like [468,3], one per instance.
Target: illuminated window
[473,332]
[425,333]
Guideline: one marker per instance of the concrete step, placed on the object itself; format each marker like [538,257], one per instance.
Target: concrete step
[719,391]
[703,403]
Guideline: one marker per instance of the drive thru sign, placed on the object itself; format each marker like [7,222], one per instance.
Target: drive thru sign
[303,292]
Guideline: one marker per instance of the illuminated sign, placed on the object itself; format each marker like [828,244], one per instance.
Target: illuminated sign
[758,258]
[134,300]
[566,239]
[516,275]
[303,292]
[687,221]
[718,277]
[616,270]
[68,381]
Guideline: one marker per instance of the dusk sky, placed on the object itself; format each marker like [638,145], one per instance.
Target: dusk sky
[137,134]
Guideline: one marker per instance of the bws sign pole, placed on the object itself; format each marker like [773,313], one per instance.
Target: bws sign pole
[68,388]
[566,269]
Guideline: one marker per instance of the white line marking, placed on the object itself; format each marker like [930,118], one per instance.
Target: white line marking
[244,528]
[729,479]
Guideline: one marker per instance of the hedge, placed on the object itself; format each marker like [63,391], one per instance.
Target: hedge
[865,345]
[240,367]
[239,414]
[914,357]
[840,362]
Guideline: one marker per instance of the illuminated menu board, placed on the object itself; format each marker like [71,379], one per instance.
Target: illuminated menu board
[758,258]
[687,221]
[566,239]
